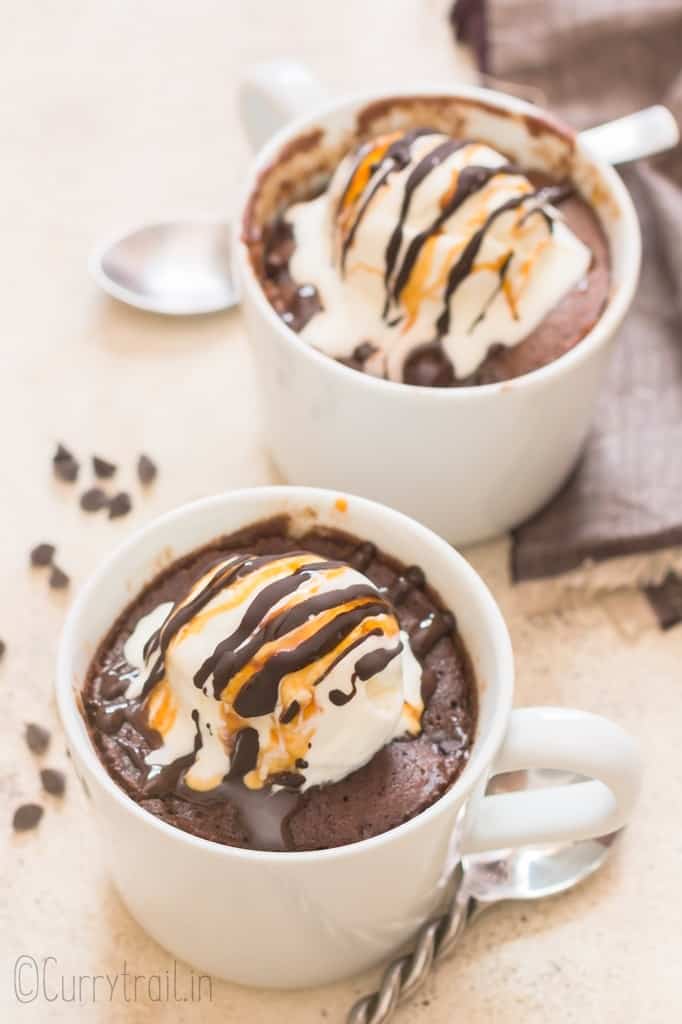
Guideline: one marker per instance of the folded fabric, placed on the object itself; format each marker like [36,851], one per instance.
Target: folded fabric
[590,61]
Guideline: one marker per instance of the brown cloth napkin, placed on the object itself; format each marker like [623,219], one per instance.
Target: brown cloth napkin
[592,60]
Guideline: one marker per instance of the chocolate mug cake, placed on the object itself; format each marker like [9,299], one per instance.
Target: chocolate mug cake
[433,259]
[283,693]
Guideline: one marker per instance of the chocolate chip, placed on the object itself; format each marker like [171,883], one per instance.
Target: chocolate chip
[27,816]
[290,780]
[42,554]
[37,738]
[666,600]
[120,505]
[146,469]
[53,781]
[58,579]
[416,576]
[65,465]
[3,648]
[62,454]
[363,351]
[102,468]
[67,471]
[452,746]
[93,499]
[429,366]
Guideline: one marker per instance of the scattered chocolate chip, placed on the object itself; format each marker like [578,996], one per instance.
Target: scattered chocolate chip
[58,579]
[3,648]
[65,465]
[62,454]
[27,816]
[102,468]
[666,600]
[37,738]
[146,469]
[53,781]
[120,505]
[93,499]
[42,554]
[67,471]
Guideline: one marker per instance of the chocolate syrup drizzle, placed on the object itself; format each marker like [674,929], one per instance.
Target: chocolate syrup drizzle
[418,174]
[396,157]
[266,812]
[470,180]
[464,265]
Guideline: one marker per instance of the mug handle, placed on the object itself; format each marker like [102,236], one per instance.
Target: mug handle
[565,740]
[273,93]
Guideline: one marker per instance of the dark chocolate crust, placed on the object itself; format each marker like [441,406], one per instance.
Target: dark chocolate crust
[403,779]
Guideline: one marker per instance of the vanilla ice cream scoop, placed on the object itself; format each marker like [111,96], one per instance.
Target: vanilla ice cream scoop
[282,670]
[422,239]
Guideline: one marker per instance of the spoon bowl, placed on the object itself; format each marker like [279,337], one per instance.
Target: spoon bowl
[532,872]
[178,268]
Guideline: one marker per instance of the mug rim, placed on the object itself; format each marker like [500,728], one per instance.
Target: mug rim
[482,752]
[598,335]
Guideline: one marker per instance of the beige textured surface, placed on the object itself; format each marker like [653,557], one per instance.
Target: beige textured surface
[111,113]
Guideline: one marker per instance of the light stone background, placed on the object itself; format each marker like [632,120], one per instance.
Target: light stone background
[116,112]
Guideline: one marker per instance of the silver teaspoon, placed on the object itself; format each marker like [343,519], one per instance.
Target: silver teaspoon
[179,268]
[182,268]
[481,881]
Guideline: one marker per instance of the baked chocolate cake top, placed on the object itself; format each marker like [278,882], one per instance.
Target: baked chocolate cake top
[281,692]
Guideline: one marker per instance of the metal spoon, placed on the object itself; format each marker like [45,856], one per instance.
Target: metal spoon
[180,268]
[480,882]
[183,268]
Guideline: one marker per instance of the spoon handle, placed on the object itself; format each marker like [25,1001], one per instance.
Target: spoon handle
[401,979]
[644,133]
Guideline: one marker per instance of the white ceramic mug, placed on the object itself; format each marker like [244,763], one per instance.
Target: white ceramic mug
[296,919]
[469,462]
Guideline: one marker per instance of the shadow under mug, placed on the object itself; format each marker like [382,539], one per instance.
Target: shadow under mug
[299,919]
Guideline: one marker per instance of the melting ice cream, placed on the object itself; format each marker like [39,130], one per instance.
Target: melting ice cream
[280,670]
[424,240]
